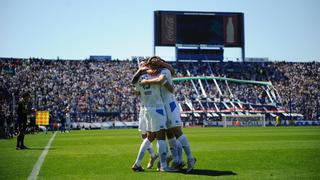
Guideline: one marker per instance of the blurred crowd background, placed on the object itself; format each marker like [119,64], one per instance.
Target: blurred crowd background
[98,91]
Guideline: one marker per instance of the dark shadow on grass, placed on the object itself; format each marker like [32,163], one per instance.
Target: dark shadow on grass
[207,172]
[38,149]
[199,172]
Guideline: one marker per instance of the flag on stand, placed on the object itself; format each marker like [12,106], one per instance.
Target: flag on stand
[42,117]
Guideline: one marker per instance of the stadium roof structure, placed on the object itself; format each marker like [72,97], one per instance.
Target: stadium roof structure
[230,103]
[223,79]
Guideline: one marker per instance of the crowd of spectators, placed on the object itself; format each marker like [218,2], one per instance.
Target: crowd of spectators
[91,89]
[101,91]
[297,84]
[299,87]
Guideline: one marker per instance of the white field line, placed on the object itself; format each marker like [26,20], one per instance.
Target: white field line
[36,168]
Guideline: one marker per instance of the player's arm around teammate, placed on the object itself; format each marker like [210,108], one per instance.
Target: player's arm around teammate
[159,80]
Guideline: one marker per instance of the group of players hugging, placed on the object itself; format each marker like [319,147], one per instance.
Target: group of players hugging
[160,117]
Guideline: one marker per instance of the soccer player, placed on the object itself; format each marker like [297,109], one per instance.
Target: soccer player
[171,107]
[146,143]
[155,117]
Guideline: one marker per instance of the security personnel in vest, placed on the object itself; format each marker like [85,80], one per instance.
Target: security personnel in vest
[23,111]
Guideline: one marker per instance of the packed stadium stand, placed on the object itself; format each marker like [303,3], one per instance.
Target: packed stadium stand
[101,91]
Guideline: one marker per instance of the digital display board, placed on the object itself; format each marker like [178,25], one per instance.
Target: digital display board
[211,28]
[194,29]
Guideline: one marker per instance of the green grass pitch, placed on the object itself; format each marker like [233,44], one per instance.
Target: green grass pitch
[222,153]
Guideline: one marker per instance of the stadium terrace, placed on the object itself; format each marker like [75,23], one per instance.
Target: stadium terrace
[99,93]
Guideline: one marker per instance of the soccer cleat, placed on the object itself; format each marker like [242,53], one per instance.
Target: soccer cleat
[136,168]
[18,148]
[191,163]
[167,169]
[151,162]
[175,166]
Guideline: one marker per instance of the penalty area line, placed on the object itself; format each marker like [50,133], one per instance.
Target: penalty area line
[36,168]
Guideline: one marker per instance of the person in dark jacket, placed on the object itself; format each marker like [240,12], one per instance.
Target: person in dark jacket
[23,111]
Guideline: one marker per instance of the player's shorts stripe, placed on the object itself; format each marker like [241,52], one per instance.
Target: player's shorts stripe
[160,111]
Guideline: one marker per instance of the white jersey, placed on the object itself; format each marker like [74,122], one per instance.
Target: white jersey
[150,94]
[153,107]
[170,102]
[166,95]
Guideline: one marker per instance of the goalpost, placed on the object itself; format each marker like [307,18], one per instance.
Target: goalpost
[243,120]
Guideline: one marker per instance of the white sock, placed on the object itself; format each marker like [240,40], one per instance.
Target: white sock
[162,147]
[174,149]
[185,144]
[151,150]
[179,151]
[143,147]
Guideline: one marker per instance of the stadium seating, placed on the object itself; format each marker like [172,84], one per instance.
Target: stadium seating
[101,91]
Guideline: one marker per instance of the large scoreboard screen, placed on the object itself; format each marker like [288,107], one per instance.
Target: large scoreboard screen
[211,28]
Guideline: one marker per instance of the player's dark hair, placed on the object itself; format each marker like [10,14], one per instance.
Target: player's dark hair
[155,57]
